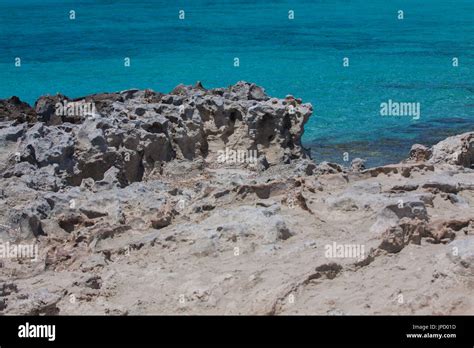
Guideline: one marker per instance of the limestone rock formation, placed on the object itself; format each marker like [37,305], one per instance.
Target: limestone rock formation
[205,202]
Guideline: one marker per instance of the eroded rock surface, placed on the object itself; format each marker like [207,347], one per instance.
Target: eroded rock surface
[205,202]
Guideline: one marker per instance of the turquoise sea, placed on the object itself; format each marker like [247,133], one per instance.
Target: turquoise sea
[409,60]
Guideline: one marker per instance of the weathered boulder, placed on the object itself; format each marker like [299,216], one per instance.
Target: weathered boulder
[13,109]
[10,132]
[461,253]
[44,145]
[455,150]
[410,207]
[137,131]
[47,111]
[419,153]
[405,232]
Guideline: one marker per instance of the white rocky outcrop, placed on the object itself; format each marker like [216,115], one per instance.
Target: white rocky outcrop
[132,211]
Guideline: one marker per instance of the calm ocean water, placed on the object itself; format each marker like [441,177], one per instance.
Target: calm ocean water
[406,60]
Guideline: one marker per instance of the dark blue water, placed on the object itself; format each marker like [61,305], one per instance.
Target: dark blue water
[407,60]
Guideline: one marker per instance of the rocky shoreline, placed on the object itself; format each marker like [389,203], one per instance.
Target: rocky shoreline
[205,202]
